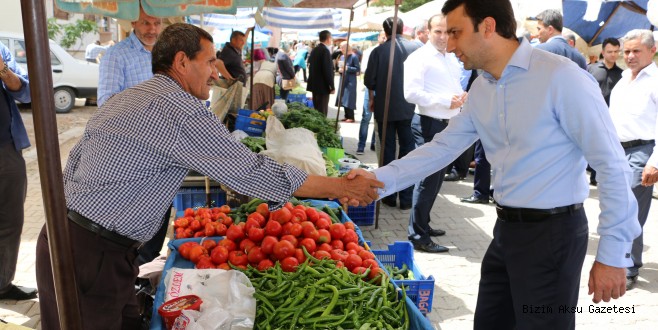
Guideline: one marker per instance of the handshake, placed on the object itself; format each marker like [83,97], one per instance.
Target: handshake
[359,188]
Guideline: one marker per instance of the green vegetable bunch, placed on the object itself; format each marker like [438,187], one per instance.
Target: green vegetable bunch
[254,143]
[299,115]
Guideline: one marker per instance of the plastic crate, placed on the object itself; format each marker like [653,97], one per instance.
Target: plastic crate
[420,290]
[362,215]
[251,126]
[196,197]
[301,98]
[309,103]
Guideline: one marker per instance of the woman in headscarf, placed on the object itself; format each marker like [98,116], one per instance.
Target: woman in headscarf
[264,79]
[352,68]
[286,71]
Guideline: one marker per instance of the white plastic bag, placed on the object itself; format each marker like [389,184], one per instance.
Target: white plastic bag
[295,146]
[228,301]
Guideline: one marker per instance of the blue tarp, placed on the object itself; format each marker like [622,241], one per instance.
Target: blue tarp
[614,20]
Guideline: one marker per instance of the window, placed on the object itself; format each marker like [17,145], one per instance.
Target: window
[53,59]
[5,42]
[19,51]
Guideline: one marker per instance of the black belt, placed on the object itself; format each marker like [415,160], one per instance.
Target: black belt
[443,120]
[635,143]
[102,232]
[513,214]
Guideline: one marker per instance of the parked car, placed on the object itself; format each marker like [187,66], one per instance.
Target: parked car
[72,78]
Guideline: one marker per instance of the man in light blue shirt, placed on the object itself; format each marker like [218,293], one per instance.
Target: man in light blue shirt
[128,63]
[540,119]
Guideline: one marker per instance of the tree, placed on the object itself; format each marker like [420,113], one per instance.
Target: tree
[406,5]
[70,33]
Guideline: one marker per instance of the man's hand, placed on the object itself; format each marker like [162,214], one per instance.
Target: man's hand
[360,188]
[371,104]
[606,282]
[333,91]
[649,176]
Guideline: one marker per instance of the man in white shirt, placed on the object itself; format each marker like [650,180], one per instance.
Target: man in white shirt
[431,81]
[634,110]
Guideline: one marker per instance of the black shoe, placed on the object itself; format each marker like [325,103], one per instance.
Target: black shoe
[359,152]
[372,147]
[453,177]
[430,247]
[405,207]
[630,282]
[19,293]
[389,202]
[593,183]
[437,232]
[474,200]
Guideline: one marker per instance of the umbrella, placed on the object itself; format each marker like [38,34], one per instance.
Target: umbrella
[290,18]
[615,18]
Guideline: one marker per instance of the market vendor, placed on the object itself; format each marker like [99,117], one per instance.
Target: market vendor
[129,164]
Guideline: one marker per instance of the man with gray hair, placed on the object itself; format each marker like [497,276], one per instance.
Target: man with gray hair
[549,33]
[634,112]
[420,33]
[570,37]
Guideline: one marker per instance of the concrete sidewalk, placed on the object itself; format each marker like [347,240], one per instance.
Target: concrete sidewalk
[468,227]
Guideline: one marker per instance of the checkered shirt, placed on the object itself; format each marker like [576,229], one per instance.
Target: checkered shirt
[137,149]
[124,65]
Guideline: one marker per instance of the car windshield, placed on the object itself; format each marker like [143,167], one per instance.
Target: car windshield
[21,55]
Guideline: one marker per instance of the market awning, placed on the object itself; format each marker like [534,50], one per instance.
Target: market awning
[289,18]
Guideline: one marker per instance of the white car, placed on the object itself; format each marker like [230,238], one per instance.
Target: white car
[72,78]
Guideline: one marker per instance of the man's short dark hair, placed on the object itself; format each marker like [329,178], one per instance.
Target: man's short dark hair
[500,10]
[610,41]
[388,26]
[236,34]
[551,17]
[324,35]
[176,38]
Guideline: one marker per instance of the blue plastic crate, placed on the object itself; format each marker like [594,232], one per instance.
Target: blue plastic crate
[309,103]
[251,126]
[196,197]
[362,215]
[420,290]
[301,98]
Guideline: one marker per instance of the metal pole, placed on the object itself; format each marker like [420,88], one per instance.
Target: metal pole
[387,98]
[50,171]
[251,80]
[344,75]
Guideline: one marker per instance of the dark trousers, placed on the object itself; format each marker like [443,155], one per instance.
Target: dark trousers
[637,159]
[417,130]
[529,266]
[297,67]
[284,94]
[399,130]
[461,164]
[363,126]
[13,189]
[349,113]
[151,249]
[482,178]
[426,190]
[321,103]
[105,275]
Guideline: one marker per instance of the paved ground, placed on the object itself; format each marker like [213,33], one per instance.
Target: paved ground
[469,230]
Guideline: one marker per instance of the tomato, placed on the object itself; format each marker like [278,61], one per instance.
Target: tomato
[364,254]
[179,233]
[309,244]
[289,264]
[219,254]
[339,255]
[296,230]
[220,229]
[324,236]
[340,264]
[289,206]
[189,212]
[208,244]
[377,273]
[258,217]
[224,266]
[195,225]
[238,258]
[323,223]
[312,214]
[225,209]
[227,221]
[263,209]
[358,270]
[298,216]
[205,263]
[256,234]
[246,245]
[209,229]
[305,224]
[337,244]
[184,249]
[196,252]
[310,232]
[188,233]
[300,207]
[229,244]
[353,261]
[265,264]
[350,236]
[324,215]
[256,255]
[290,238]
[205,221]
[251,223]
[370,263]
[349,225]
[283,249]
[181,222]
[273,228]
[199,233]
[235,233]
[337,230]
[321,254]
[281,216]
[299,255]
[267,245]
[325,247]
[353,246]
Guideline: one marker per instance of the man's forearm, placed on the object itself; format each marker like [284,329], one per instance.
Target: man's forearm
[363,190]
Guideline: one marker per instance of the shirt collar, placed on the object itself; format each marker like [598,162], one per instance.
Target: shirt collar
[136,43]
[651,70]
[558,37]
[520,59]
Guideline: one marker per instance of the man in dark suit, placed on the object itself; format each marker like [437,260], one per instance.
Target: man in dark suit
[549,33]
[321,75]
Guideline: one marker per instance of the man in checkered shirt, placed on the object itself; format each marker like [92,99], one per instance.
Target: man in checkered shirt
[131,160]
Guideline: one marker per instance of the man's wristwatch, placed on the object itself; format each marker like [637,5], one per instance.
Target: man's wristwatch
[4,71]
